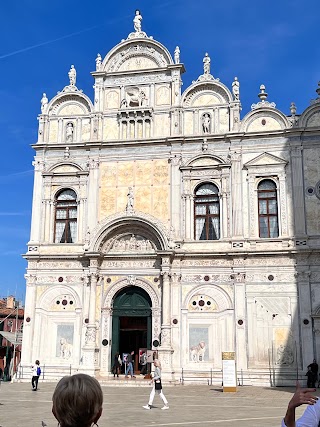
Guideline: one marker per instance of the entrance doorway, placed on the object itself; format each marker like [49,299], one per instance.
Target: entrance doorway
[131,323]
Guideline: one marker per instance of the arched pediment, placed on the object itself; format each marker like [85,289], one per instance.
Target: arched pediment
[264,119]
[65,168]
[48,300]
[115,232]
[218,298]
[311,116]
[202,160]
[70,104]
[139,54]
[206,94]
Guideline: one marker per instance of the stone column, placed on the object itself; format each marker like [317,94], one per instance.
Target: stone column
[60,136]
[90,352]
[305,309]
[241,323]
[298,188]
[39,166]
[237,229]
[93,193]
[175,214]
[28,327]
[165,350]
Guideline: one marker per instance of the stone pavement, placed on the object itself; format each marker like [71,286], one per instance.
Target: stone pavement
[190,405]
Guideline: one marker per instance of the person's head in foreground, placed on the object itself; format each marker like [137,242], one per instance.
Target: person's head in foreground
[77,401]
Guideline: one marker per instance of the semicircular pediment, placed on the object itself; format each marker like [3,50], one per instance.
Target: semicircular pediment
[206,94]
[70,105]
[136,55]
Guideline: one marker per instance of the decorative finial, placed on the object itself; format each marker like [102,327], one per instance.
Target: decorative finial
[263,103]
[318,90]
[236,89]
[72,76]
[293,109]
[263,95]
[44,103]
[137,21]
[206,63]
[98,62]
[177,55]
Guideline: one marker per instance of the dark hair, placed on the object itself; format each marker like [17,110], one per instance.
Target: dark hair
[77,401]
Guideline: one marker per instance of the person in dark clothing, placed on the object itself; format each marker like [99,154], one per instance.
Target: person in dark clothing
[310,378]
[314,369]
[116,365]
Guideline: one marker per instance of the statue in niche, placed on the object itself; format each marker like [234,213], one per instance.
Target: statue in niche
[130,201]
[206,64]
[206,123]
[236,88]
[44,103]
[98,62]
[137,21]
[69,132]
[72,75]
[177,55]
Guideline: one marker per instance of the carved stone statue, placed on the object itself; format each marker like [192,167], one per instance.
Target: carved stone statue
[177,55]
[98,62]
[236,88]
[137,21]
[69,132]
[44,103]
[136,98]
[206,64]
[72,76]
[206,123]
[130,201]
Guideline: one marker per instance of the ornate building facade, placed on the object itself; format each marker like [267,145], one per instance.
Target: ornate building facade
[165,220]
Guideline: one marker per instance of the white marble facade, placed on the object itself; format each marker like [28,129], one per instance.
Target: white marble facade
[128,165]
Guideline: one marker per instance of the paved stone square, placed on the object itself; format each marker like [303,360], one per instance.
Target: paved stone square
[203,406]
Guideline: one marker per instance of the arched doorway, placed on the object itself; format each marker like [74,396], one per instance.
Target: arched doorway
[131,322]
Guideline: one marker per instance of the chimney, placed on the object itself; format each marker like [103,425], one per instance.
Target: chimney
[10,301]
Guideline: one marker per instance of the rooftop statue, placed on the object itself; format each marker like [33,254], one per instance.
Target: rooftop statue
[177,55]
[137,21]
[236,89]
[44,103]
[72,76]
[206,64]
[98,62]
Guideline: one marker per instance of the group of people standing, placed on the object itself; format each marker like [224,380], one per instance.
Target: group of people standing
[117,364]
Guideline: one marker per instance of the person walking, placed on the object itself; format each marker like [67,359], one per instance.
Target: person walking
[116,365]
[130,365]
[36,372]
[157,387]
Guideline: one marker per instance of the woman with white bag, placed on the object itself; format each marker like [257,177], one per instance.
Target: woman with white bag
[157,387]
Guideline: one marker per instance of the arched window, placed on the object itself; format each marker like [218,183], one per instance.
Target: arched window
[66,217]
[207,213]
[268,209]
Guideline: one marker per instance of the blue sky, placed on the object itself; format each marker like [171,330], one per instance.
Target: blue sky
[274,43]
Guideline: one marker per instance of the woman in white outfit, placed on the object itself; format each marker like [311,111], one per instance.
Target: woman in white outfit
[157,386]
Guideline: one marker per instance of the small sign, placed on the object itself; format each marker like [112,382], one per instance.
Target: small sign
[229,374]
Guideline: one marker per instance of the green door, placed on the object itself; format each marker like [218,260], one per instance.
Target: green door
[131,322]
